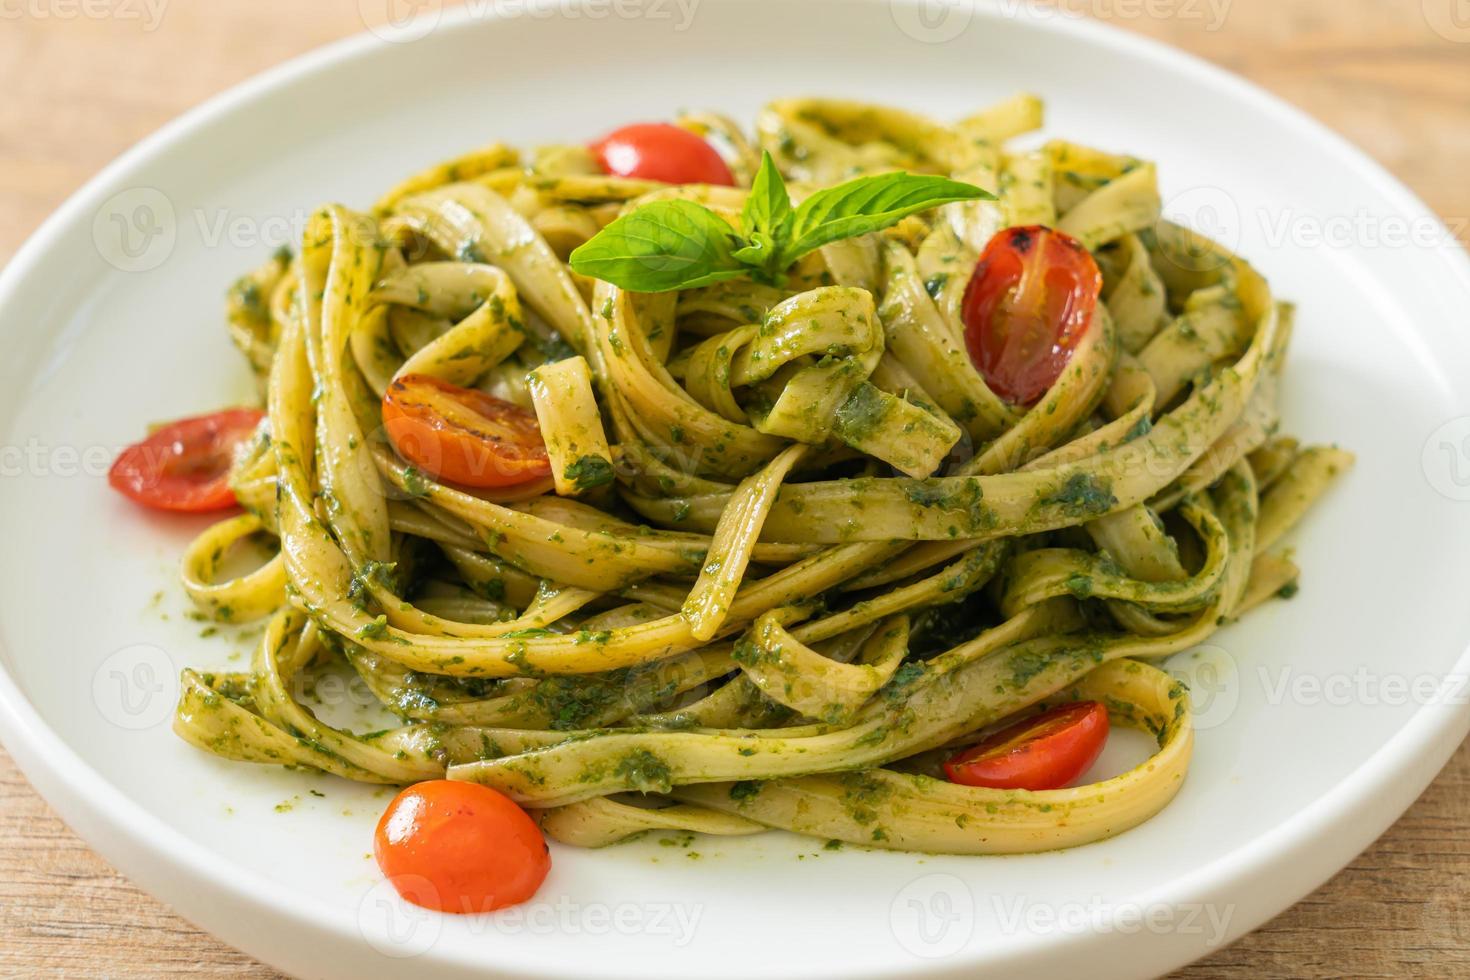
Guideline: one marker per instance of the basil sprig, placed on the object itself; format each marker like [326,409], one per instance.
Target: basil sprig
[678,244]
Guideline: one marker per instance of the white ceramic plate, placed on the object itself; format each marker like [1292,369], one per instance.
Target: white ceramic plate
[1323,717]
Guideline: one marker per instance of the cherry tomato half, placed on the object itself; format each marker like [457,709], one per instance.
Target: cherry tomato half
[1030,302]
[460,847]
[1044,752]
[185,465]
[463,435]
[661,151]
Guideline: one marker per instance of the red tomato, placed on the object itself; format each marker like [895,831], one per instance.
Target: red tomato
[660,151]
[1031,300]
[185,465]
[463,435]
[460,847]
[1044,752]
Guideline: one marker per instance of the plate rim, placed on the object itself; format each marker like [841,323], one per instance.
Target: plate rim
[1401,768]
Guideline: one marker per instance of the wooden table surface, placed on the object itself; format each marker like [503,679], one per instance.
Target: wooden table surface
[1391,75]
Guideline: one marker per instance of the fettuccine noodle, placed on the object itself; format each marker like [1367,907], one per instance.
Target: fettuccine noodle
[828,554]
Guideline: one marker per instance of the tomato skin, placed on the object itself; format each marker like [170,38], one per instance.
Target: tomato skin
[185,465]
[664,152]
[463,435]
[1044,752]
[460,847]
[1031,300]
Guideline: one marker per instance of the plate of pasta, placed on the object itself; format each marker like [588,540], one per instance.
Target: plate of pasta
[676,516]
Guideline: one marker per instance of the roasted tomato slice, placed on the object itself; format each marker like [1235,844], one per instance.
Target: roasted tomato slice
[462,435]
[185,465]
[1044,752]
[1030,302]
[460,847]
[661,151]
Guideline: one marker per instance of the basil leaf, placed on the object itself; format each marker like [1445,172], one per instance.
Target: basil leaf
[768,207]
[662,246]
[678,244]
[870,204]
[765,223]
[760,252]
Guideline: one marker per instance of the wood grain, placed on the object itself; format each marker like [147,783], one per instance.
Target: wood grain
[80,90]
